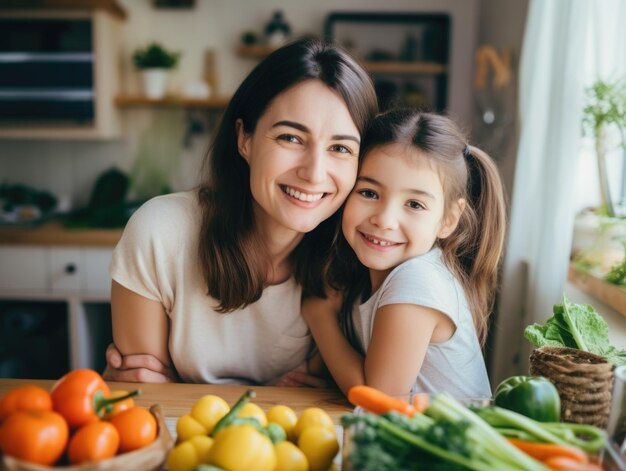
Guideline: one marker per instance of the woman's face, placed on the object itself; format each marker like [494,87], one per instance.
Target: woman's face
[303,157]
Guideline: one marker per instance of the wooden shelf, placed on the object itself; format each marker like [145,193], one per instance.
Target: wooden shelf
[110,6]
[378,67]
[418,68]
[595,286]
[136,100]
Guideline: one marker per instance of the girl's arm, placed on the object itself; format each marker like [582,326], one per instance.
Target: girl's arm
[140,333]
[344,362]
[400,337]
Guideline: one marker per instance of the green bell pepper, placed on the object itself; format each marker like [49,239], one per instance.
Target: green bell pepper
[533,396]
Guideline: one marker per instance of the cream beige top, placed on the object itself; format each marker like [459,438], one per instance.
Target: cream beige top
[157,257]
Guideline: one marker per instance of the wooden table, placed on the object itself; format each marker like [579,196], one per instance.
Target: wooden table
[176,399]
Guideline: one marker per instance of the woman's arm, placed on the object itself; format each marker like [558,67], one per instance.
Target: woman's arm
[140,333]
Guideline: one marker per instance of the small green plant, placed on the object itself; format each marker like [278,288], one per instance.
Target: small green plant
[155,56]
[605,106]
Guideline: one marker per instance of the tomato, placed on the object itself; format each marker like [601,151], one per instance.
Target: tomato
[319,445]
[118,407]
[187,427]
[137,428]
[208,410]
[290,458]
[253,411]
[25,398]
[37,437]
[283,416]
[310,417]
[93,442]
[242,448]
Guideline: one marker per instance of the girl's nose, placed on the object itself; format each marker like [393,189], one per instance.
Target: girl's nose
[385,218]
[313,168]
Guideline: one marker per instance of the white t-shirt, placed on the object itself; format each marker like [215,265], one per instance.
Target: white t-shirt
[157,257]
[456,365]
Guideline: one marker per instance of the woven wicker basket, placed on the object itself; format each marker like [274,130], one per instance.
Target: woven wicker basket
[584,381]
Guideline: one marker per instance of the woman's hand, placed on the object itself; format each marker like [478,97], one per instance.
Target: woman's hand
[136,368]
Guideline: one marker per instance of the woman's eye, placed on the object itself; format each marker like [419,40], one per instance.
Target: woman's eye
[341,149]
[415,204]
[369,194]
[289,138]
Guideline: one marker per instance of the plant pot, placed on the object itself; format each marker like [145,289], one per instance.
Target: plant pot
[155,82]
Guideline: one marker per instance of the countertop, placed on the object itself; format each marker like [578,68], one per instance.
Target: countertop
[176,399]
[54,233]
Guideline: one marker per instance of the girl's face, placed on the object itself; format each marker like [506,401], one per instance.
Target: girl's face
[303,157]
[396,210]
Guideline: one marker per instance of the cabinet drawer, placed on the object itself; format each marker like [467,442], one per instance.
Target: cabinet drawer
[66,270]
[24,268]
[95,273]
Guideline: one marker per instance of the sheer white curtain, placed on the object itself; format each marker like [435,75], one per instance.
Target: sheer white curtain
[567,43]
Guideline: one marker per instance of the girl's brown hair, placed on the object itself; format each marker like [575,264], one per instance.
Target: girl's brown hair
[233,259]
[473,251]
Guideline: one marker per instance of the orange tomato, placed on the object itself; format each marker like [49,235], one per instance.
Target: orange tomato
[37,437]
[93,442]
[79,396]
[117,407]
[137,428]
[25,398]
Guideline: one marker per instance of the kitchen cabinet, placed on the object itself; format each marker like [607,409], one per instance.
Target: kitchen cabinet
[59,71]
[71,282]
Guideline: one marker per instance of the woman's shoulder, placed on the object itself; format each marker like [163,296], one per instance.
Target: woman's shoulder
[171,205]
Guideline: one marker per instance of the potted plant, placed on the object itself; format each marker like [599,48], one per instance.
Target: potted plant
[155,62]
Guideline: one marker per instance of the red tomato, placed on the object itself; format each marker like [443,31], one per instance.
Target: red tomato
[93,442]
[137,428]
[25,398]
[37,437]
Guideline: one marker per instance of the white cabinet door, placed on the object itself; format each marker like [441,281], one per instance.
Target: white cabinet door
[23,268]
[65,270]
[95,273]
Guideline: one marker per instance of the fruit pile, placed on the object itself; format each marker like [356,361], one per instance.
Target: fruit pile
[213,436]
[79,421]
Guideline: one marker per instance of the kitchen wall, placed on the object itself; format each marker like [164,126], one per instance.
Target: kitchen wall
[69,168]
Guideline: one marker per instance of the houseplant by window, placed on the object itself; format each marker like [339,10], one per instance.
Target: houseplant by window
[155,62]
[599,234]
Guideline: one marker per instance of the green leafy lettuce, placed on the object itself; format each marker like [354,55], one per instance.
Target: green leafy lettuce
[576,326]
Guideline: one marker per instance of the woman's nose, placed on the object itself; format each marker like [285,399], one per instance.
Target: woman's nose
[385,218]
[313,168]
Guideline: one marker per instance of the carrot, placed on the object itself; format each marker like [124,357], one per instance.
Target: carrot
[420,402]
[561,463]
[377,401]
[547,451]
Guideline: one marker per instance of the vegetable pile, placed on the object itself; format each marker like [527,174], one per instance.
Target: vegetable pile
[215,437]
[576,326]
[447,435]
[78,421]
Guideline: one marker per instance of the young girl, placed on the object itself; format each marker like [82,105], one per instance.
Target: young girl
[426,221]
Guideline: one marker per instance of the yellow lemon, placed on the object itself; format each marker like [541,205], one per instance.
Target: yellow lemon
[319,445]
[290,458]
[208,410]
[188,427]
[252,411]
[283,416]
[312,416]
[182,458]
[202,444]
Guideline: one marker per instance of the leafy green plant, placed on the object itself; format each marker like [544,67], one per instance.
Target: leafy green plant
[605,106]
[155,56]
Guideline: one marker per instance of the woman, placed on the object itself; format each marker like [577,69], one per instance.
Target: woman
[207,284]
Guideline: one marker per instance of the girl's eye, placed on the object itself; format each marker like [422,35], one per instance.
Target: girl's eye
[415,204]
[369,194]
[341,149]
[289,138]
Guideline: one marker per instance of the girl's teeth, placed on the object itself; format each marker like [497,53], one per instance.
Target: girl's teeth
[382,243]
[302,196]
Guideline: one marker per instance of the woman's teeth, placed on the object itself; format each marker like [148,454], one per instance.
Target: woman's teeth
[302,196]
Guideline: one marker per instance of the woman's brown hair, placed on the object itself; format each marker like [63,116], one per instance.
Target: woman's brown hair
[233,259]
[473,251]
